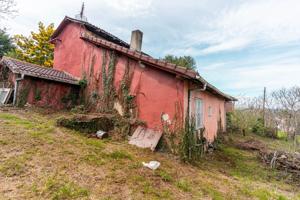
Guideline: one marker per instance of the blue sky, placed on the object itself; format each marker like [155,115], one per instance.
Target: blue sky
[240,46]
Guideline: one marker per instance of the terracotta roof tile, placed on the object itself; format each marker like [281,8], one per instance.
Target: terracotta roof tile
[28,69]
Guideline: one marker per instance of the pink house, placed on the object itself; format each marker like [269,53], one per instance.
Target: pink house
[120,76]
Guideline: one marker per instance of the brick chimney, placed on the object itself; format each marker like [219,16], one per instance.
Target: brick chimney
[136,40]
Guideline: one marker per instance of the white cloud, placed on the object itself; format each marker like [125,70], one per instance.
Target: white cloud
[130,8]
[268,22]
[240,45]
[230,45]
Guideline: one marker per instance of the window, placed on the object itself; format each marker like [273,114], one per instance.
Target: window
[4,95]
[198,113]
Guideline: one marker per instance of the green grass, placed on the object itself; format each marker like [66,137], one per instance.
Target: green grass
[94,159]
[165,176]
[95,143]
[87,168]
[183,185]
[215,194]
[63,189]
[120,154]
[15,165]
[245,164]
[3,142]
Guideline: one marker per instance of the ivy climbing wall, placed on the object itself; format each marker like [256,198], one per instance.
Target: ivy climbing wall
[112,82]
[47,94]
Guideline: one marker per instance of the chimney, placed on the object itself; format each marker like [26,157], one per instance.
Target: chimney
[136,40]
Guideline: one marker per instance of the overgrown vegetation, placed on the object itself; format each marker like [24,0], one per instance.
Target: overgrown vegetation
[109,92]
[37,94]
[70,99]
[279,119]
[127,100]
[192,145]
[57,163]
[23,96]
[245,121]
[87,125]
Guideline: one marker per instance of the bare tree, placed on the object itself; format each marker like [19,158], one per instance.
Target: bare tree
[7,8]
[287,102]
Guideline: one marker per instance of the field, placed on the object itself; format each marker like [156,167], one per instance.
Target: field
[41,161]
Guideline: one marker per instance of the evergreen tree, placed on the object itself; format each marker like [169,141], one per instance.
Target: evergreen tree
[184,61]
[5,43]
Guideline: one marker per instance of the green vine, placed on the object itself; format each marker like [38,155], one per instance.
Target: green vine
[83,83]
[70,99]
[193,142]
[182,138]
[108,81]
[23,96]
[37,94]
[126,99]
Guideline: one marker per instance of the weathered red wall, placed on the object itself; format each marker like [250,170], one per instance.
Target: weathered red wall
[156,91]
[218,113]
[51,93]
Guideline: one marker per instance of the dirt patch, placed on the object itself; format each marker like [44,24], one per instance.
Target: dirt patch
[253,145]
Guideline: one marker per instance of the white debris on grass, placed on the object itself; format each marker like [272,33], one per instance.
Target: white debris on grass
[101,134]
[152,165]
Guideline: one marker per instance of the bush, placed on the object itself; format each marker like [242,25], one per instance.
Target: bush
[259,127]
[241,121]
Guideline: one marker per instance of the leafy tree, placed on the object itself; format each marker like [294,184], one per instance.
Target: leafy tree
[36,48]
[184,61]
[5,43]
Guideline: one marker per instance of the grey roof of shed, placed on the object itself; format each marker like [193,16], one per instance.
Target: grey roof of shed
[28,69]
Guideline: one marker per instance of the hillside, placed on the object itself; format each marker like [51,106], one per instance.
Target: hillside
[41,161]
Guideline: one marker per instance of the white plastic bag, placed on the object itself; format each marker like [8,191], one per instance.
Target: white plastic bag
[152,165]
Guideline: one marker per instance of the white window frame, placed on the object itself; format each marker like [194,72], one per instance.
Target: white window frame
[199,108]
[6,95]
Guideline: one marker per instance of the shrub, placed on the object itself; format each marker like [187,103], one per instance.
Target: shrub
[193,143]
[259,127]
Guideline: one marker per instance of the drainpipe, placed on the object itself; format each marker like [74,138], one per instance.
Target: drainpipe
[16,88]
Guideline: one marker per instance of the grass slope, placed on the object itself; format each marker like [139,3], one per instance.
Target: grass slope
[41,161]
